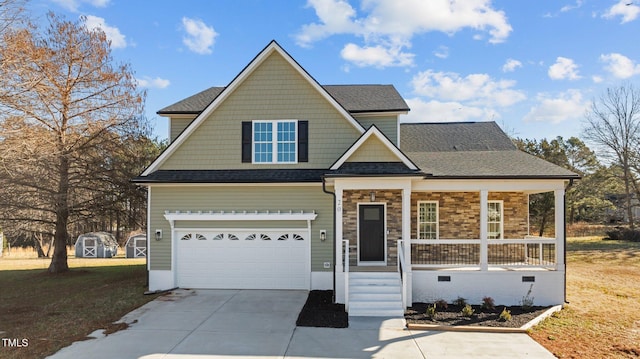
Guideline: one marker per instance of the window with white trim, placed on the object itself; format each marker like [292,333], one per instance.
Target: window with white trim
[428,220]
[494,220]
[275,141]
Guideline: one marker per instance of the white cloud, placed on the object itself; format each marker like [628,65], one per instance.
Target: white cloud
[73,5]
[114,35]
[442,52]
[476,89]
[511,65]
[437,111]
[625,9]
[377,56]
[564,69]
[149,82]
[391,24]
[200,37]
[556,108]
[577,5]
[597,79]
[619,65]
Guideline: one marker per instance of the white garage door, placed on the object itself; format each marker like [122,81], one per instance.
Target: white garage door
[245,259]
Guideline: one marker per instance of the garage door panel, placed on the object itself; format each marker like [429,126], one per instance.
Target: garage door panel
[257,259]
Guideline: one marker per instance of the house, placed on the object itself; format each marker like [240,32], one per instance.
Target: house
[278,182]
[96,245]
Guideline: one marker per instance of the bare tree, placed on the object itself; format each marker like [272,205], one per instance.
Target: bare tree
[67,106]
[12,13]
[613,123]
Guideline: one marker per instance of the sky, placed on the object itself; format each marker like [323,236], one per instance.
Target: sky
[532,66]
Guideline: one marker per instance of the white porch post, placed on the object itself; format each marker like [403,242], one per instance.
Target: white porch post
[338,239]
[406,238]
[484,224]
[559,226]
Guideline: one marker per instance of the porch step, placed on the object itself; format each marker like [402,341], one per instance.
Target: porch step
[375,294]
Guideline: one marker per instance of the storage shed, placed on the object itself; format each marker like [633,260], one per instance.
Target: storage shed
[136,246]
[96,245]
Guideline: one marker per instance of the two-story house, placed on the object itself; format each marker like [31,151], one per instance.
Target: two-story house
[278,182]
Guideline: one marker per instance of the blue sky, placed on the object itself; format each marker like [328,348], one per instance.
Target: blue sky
[533,66]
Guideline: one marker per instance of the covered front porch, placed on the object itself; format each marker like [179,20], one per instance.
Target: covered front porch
[449,238]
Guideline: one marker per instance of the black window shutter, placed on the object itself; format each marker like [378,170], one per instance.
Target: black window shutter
[246,141]
[303,141]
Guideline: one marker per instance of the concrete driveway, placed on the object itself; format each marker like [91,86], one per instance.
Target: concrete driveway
[261,324]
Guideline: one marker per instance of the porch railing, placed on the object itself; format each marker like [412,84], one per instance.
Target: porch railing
[402,267]
[504,253]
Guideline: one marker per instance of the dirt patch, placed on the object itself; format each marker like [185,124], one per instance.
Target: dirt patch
[320,311]
[453,316]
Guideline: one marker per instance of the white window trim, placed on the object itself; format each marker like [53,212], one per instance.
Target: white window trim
[274,141]
[501,202]
[437,219]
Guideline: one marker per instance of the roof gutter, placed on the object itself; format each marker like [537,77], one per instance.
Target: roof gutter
[324,189]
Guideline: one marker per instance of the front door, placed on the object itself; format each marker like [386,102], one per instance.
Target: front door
[371,239]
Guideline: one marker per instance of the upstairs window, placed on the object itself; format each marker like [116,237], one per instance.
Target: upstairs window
[278,141]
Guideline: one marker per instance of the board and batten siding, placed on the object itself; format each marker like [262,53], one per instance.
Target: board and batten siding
[242,198]
[373,150]
[386,124]
[273,91]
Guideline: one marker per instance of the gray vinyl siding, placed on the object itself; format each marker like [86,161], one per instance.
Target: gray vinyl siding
[177,126]
[242,198]
[387,125]
[273,91]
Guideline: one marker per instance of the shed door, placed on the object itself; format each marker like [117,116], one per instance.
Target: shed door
[140,246]
[243,259]
[89,247]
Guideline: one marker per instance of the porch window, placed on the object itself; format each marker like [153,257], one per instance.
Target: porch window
[494,221]
[274,141]
[428,220]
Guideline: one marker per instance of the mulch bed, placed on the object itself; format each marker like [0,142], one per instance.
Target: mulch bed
[452,316]
[320,311]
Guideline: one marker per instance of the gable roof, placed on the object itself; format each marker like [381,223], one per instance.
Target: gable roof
[354,98]
[472,150]
[373,131]
[270,49]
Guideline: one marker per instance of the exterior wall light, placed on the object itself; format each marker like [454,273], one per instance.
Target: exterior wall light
[158,234]
[372,196]
[323,235]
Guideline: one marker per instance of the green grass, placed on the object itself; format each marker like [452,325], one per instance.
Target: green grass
[52,311]
[602,319]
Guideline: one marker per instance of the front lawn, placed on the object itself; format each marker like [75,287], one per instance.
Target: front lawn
[52,311]
[602,319]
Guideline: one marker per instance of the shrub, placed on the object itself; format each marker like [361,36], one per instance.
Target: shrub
[623,234]
[467,311]
[442,304]
[488,303]
[431,311]
[505,316]
[460,302]
[527,300]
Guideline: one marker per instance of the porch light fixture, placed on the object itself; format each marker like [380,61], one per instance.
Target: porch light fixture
[372,196]
[158,234]
[323,234]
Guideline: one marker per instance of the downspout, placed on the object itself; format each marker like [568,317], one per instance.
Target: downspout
[324,189]
[565,238]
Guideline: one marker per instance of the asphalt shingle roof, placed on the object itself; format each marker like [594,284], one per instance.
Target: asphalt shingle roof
[472,150]
[354,98]
[453,136]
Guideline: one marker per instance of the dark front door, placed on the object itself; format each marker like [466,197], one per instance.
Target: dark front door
[371,221]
